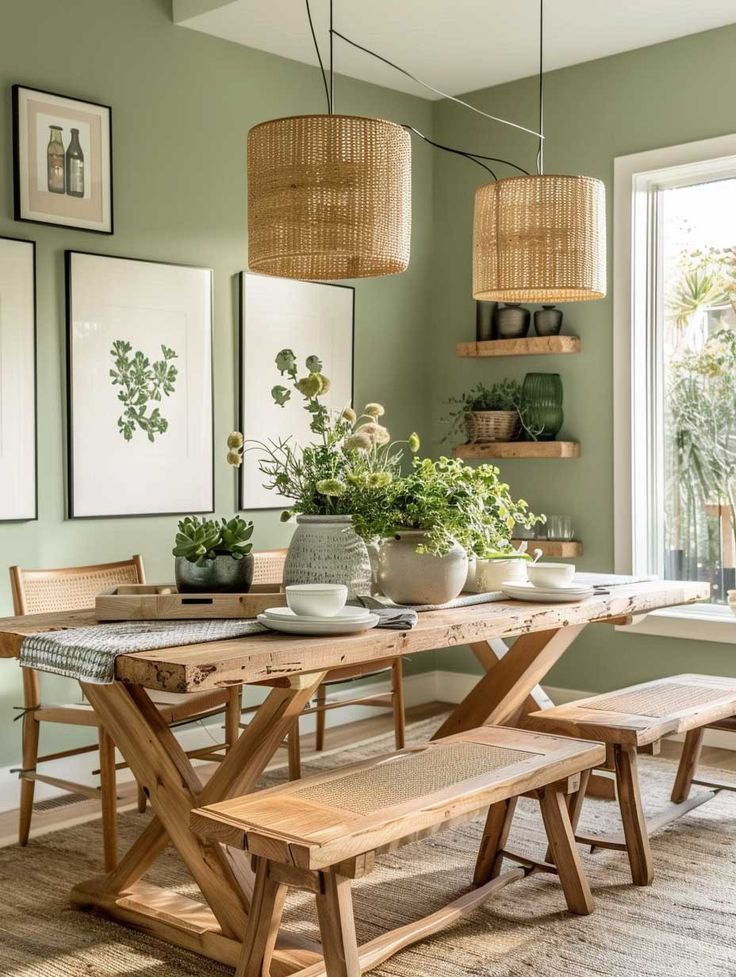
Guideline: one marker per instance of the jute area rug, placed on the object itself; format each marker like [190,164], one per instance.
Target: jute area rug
[682,926]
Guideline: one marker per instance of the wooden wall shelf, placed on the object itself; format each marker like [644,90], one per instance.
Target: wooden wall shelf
[564,549]
[531,346]
[519,449]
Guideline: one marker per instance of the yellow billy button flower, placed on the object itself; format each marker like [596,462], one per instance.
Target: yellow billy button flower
[235,440]
[234,458]
[414,442]
[311,385]
[349,415]
[374,410]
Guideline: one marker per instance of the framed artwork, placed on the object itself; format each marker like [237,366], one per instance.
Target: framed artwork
[18,500]
[139,387]
[307,317]
[62,154]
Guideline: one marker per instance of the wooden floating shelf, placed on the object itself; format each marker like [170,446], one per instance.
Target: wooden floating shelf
[531,346]
[519,449]
[562,548]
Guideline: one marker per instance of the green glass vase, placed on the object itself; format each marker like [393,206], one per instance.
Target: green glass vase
[542,400]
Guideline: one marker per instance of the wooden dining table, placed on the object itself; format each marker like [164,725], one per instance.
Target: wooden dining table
[292,668]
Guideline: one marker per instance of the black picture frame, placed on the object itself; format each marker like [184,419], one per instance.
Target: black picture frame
[34,516]
[241,424]
[70,461]
[19,213]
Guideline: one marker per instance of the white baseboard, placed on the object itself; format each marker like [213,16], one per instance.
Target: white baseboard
[435,686]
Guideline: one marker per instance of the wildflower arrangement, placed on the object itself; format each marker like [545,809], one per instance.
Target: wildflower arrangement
[353,454]
[449,501]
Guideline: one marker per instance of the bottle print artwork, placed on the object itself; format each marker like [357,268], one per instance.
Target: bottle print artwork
[55,161]
[75,167]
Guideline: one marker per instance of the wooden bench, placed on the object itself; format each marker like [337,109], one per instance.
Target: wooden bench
[632,721]
[320,833]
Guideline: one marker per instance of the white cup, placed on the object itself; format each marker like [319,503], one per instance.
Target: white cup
[316,599]
[550,575]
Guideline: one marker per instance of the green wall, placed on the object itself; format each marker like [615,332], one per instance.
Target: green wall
[658,96]
[182,105]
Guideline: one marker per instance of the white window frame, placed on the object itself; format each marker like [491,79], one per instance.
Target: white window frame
[636,449]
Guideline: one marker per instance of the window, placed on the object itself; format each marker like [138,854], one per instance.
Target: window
[675,366]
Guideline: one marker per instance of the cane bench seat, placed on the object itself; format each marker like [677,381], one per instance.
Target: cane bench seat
[642,714]
[636,719]
[315,822]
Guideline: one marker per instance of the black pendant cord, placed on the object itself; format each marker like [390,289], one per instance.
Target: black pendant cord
[451,149]
[319,58]
[540,151]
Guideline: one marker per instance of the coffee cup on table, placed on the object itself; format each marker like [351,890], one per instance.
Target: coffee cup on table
[550,575]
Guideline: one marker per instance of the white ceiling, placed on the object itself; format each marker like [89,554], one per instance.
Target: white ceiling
[456,45]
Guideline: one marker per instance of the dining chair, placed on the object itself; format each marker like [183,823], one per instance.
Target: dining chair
[75,588]
[269,570]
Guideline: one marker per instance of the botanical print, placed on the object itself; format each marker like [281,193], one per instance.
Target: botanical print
[142,381]
[62,160]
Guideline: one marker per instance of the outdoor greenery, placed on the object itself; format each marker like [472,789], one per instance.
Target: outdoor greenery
[449,500]
[198,540]
[142,382]
[352,455]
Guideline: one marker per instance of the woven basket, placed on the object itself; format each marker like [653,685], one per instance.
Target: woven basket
[329,197]
[492,425]
[540,239]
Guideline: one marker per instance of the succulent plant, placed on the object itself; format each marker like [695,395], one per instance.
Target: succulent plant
[198,539]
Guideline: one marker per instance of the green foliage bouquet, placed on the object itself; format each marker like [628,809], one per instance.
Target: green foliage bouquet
[449,501]
[352,456]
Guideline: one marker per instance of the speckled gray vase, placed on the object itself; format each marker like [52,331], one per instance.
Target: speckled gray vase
[325,549]
[223,575]
[408,577]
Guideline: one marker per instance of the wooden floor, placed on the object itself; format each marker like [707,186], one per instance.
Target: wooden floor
[67,811]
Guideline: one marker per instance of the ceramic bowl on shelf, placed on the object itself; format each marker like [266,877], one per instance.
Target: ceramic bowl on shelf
[316,599]
[550,575]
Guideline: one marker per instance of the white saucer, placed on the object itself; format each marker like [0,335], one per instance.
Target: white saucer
[346,614]
[323,625]
[549,595]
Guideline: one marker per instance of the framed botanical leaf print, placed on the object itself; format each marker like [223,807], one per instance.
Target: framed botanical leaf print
[139,366]
[17,379]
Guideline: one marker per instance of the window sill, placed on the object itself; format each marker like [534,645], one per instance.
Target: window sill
[696,622]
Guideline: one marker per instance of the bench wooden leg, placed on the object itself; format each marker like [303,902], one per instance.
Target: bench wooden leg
[495,834]
[337,926]
[632,815]
[264,918]
[688,765]
[574,806]
[561,839]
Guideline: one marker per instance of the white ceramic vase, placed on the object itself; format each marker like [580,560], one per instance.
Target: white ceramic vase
[408,577]
[325,549]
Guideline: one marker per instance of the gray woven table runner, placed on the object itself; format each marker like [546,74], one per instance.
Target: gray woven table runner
[88,654]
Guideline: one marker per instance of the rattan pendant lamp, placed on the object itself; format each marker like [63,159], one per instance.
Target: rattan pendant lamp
[540,238]
[329,196]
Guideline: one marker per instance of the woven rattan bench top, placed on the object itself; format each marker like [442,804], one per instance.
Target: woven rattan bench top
[316,822]
[643,713]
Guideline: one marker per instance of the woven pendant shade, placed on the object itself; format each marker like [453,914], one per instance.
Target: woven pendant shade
[540,239]
[329,197]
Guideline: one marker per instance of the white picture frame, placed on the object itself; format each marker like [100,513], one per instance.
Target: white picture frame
[62,156]
[308,318]
[18,483]
[139,384]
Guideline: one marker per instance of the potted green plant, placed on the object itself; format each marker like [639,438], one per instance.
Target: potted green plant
[429,523]
[351,457]
[484,414]
[214,556]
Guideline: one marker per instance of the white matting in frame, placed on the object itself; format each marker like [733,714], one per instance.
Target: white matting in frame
[308,318]
[17,380]
[139,337]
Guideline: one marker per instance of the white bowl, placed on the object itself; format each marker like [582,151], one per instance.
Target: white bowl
[550,574]
[316,599]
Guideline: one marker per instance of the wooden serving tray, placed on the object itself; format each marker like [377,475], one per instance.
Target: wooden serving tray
[163,602]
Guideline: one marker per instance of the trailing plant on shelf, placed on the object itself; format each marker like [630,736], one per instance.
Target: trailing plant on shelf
[449,502]
[503,398]
[199,540]
[352,455]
